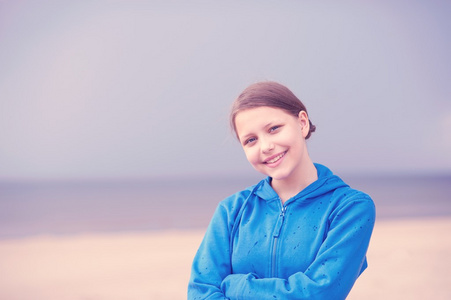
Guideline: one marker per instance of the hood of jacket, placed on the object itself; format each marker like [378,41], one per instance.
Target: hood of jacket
[325,183]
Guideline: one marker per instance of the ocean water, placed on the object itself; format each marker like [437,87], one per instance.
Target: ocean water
[72,207]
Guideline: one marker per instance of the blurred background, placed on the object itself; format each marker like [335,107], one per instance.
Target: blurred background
[114,114]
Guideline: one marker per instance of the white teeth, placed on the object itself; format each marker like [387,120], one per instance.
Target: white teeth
[275,159]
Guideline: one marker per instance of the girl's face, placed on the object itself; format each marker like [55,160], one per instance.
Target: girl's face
[273,140]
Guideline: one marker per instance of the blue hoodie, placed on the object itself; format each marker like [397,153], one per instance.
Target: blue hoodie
[312,247]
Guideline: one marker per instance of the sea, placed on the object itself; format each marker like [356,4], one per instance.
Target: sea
[64,207]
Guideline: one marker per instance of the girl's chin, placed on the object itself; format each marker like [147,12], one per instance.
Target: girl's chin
[275,174]
[278,176]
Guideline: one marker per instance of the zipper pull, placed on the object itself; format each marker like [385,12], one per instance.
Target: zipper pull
[282,213]
[280,222]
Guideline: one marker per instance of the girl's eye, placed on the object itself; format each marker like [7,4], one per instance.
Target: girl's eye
[274,128]
[249,140]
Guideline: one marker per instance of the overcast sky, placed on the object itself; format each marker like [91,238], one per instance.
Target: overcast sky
[95,89]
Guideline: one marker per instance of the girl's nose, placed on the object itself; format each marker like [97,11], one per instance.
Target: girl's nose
[267,146]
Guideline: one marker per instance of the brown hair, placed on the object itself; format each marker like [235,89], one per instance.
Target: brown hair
[268,93]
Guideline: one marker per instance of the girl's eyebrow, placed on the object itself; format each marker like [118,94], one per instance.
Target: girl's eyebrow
[244,137]
[273,122]
[251,134]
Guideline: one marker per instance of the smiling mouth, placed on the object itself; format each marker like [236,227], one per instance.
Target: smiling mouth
[276,158]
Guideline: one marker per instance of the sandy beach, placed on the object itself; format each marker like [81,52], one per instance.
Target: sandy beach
[408,259]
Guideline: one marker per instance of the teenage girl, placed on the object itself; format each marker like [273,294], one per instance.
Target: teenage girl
[300,233]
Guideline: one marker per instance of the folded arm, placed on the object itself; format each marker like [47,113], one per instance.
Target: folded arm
[340,260]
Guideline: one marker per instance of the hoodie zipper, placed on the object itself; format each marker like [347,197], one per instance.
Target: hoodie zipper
[276,239]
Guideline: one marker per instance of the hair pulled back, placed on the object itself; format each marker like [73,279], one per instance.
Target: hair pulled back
[268,93]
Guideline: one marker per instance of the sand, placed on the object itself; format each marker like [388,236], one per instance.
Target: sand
[408,259]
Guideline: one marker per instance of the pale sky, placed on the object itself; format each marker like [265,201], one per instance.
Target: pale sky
[129,89]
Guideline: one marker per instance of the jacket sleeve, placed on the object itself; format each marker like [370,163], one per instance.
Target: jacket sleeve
[212,261]
[340,260]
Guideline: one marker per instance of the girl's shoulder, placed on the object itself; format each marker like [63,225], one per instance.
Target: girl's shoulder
[230,208]
[348,193]
[236,201]
[351,200]
[239,197]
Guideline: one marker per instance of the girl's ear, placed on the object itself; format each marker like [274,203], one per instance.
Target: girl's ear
[304,123]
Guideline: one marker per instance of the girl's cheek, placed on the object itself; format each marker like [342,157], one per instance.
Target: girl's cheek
[250,155]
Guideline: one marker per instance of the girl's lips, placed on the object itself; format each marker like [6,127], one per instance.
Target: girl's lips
[275,158]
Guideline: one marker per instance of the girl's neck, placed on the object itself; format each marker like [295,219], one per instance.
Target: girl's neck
[294,184]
